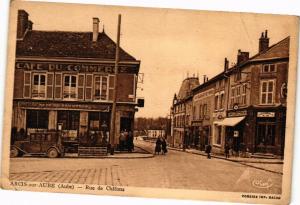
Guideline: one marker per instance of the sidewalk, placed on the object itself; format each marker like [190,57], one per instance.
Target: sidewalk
[233,158]
[136,154]
[270,165]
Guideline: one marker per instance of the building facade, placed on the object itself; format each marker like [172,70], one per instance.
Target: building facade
[181,114]
[65,81]
[245,105]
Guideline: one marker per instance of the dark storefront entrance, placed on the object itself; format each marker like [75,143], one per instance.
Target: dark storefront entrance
[265,135]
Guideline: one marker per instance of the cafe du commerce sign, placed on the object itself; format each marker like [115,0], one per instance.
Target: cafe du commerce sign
[78,67]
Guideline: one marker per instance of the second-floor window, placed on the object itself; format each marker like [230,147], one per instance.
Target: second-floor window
[70,87]
[39,86]
[222,101]
[100,91]
[268,68]
[267,91]
[243,95]
[216,102]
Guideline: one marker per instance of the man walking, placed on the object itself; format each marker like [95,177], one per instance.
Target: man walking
[208,150]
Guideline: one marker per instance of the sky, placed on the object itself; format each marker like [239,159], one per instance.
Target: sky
[169,43]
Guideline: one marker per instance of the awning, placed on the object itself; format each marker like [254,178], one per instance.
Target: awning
[230,121]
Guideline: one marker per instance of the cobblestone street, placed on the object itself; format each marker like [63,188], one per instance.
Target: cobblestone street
[174,170]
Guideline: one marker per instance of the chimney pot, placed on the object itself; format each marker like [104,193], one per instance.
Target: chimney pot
[95,29]
[22,23]
[226,64]
[242,57]
[263,42]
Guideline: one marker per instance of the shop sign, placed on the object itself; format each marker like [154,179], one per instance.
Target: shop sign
[235,133]
[64,105]
[79,67]
[265,114]
[197,123]
[237,113]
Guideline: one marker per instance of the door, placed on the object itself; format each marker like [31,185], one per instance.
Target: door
[126,124]
[265,136]
[34,144]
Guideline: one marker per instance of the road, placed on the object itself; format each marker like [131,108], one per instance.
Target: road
[174,170]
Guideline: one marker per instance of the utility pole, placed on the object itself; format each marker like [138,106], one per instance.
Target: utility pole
[113,110]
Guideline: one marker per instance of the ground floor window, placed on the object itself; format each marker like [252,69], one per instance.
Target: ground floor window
[69,119]
[266,133]
[98,121]
[218,134]
[37,119]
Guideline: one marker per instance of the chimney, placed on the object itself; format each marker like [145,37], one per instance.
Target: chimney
[95,29]
[29,26]
[242,57]
[226,64]
[204,78]
[22,23]
[263,42]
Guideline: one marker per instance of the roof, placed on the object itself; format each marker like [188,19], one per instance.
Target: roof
[279,50]
[186,87]
[68,44]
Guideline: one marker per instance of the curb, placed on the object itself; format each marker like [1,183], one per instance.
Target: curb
[240,162]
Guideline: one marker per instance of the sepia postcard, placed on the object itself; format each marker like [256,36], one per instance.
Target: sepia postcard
[150,102]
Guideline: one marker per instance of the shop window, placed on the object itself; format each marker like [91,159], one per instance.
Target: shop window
[37,119]
[218,135]
[98,121]
[267,92]
[70,87]
[266,134]
[100,87]
[38,86]
[268,68]
[69,119]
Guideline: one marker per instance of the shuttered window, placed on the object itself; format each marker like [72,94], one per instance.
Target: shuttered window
[88,87]
[27,85]
[81,87]
[58,86]
[50,79]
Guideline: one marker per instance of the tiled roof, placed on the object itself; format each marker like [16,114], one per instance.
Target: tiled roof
[68,44]
[278,50]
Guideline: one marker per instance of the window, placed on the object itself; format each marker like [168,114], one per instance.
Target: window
[69,119]
[70,86]
[238,75]
[267,68]
[232,97]
[37,119]
[200,112]
[243,97]
[39,86]
[204,107]
[267,92]
[238,95]
[216,101]
[218,135]
[100,85]
[222,101]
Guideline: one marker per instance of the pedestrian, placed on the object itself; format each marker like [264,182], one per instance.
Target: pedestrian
[208,150]
[122,141]
[158,146]
[227,150]
[130,145]
[164,146]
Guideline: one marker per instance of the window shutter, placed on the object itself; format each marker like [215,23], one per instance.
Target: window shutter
[27,85]
[111,87]
[88,87]
[81,87]
[50,77]
[58,86]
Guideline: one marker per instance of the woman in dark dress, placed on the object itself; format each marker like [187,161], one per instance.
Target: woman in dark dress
[158,146]
[164,146]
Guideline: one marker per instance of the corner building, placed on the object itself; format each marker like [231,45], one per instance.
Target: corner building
[65,79]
